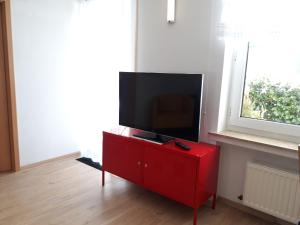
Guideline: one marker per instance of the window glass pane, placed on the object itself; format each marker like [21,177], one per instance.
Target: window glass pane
[272,82]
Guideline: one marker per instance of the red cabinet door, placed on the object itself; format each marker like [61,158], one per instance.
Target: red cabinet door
[123,157]
[170,174]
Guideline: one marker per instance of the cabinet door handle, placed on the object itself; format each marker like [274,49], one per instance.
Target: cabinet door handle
[146,165]
[139,163]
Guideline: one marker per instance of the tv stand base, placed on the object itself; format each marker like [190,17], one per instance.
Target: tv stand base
[161,139]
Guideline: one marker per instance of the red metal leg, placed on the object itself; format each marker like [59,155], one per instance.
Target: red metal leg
[103,177]
[213,205]
[195,216]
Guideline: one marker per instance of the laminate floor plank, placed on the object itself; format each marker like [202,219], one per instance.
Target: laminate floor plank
[67,192]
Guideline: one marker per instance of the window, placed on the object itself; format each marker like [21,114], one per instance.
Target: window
[272,83]
[266,87]
[263,37]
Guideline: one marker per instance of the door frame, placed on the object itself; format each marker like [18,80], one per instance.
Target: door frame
[5,9]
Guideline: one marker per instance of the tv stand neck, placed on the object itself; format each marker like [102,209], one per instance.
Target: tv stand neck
[153,137]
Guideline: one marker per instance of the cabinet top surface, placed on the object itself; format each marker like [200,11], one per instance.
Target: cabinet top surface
[197,149]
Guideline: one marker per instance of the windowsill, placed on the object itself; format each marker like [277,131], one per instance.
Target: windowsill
[269,145]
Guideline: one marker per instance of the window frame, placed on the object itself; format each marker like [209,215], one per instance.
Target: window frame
[235,121]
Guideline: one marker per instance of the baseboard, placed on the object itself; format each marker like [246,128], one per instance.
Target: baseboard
[253,212]
[63,157]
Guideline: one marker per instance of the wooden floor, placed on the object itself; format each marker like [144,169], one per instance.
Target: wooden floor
[69,192]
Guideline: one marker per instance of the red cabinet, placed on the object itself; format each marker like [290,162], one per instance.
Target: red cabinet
[189,177]
[170,174]
[123,157]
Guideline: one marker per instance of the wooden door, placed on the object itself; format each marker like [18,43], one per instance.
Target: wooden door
[170,174]
[9,150]
[122,156]
[5,153]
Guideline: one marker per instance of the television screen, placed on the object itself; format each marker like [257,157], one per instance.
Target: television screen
[165,104]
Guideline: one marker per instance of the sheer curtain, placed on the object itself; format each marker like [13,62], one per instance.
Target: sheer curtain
[260,20]
[104,33]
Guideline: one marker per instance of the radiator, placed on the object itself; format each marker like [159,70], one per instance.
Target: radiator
[273,191]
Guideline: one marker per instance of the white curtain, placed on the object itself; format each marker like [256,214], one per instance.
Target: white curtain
[104,32]
[260,20]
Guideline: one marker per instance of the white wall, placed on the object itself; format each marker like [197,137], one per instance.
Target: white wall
[192,45]
[175,47]
[41,32]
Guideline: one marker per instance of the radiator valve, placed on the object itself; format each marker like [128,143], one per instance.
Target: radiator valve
[241,198]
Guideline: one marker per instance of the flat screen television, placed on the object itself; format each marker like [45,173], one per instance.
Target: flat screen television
[163,104]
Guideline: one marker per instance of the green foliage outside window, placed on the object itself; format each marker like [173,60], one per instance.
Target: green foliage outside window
[272,101]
